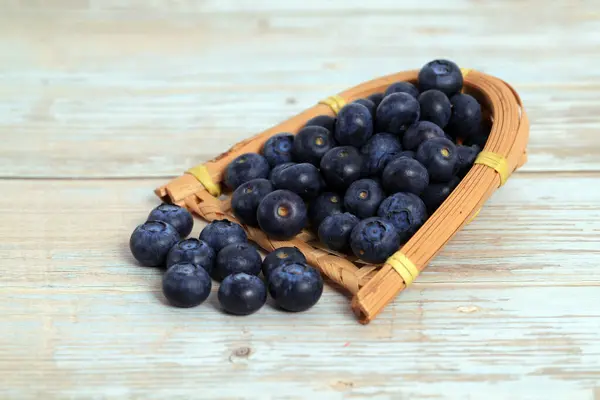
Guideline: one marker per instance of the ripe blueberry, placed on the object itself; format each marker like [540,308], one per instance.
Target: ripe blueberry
[150,242]
[420,132]
[376,98]
[178,217]
[324,121]
[466,156]
[282,214]
[406,212]
[193,251]
[374,240]
[278,149]
[434,195]
[334,232]
[466,116]
[378,151]
[246,198]
[245,168]
[369,104]
[295,287]
[311,143]
[242,294]
[235,258]
[277,169]
[443,75]
[406,153]
[402,87]
[186,285]
[439,156]
[435,107]
[341,166]
[405,174]
[354,125]
[221,233]
[397,112]
[281,256]
[303,179]
[363,198]
[326,204]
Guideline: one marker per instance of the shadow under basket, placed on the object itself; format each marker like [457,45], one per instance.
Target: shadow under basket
[372,287]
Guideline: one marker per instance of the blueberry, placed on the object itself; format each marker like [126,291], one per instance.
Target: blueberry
[376,98]
[420,132]
[334,231]
[406,153]
[303,179]
[246,198]
[245,168]
[402,87]
[242,294]
[325,121]
[443,75]
[150,242]
[406,212]
[277,169]
[465,157]
[397,112]
[363,198]
[378,151]
[311,143]
[178,217]
[281,256]
[193,251]
[439,156]
[295,287]
[326,204]
[369,104]
[434,195]
[341,166]
[479,139]
[236,258]
[278,149]
[354,125]
[282,215]
[435,107]
[405,174]
[466,116]
[221,233]
[374,240]
[186,285]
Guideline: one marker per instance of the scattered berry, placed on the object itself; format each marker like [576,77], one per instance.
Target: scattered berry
[363,198]
[334,232]
[443,75]
[245,168]
[354,125]
[242,294]
[439,156]
[406,212]
[374,240]
[405,174]
[281,256]
[186,285]
[221,233]
[193,251]
[178,217]
[341,166]
[278,149]
[397,112]
[235,258]
[326,204]
[311,143]
[246,198]
[282,215]
[295,287]
[150,242]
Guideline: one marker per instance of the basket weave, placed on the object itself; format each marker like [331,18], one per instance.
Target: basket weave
[372,287]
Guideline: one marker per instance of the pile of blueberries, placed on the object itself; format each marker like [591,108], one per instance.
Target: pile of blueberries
[366,180]
[222,252]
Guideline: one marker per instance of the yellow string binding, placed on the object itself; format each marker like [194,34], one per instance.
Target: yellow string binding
[201,173]
[496,162]
[334,102]
[404,267]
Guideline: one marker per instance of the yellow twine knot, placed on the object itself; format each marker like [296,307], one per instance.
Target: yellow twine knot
[496,162]
[404,267]
[334,102]
[201,173]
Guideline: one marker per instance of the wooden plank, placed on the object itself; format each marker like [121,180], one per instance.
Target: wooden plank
[150,90]
[509,307]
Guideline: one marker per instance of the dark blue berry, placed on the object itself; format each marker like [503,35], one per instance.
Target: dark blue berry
[334,232]
[278,149]
[376,98]
[245,168]
[281,256]
[406,212]
[295,287]
[221,233]
[363,198]
[341,166]
[354,125]
[236,258]
[282,215]
[466,156]
[405,174]
[246,198]
[374,240]
[186,285]
[369,104]
[242,294]
[397,112]
[406,153]
[420,132]
[435,107]
[178,217]
[277,169]
[439,156]
[311,143]
[324,121]
[303,179]
[150,242]
[379,151]
[193,251]
[443,75]
[466,116]
[434,195]
[479,139]
[326,204]
[402,87]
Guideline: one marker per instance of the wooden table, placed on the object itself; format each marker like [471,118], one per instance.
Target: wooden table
[102,101]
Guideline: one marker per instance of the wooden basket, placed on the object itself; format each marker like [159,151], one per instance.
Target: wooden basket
[372,287]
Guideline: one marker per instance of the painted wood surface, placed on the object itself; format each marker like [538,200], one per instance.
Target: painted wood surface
[102,101]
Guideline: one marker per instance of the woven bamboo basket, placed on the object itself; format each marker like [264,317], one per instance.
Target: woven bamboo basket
[372,287]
